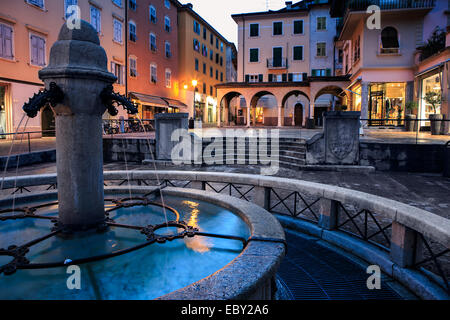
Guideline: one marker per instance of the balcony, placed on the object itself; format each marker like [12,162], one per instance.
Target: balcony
[362,5]
[277,63]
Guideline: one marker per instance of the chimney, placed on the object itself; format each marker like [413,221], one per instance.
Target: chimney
[189,5]
[288,4]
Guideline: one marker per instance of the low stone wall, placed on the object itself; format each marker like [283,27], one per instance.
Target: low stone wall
[28,159]
[403,157]
[129,149]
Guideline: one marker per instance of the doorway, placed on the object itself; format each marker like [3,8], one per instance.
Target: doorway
[298,114]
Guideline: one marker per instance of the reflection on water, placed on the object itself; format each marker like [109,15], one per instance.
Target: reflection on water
[198,244]
[147,273]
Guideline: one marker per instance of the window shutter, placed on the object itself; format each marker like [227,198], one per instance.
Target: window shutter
[291,77]
[260,78]
[328,72]
[7,46]
[247,78]
[3,52]
[270,77]
[305,75]
[284,77]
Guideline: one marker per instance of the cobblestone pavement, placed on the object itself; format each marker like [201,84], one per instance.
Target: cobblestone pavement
[430,192]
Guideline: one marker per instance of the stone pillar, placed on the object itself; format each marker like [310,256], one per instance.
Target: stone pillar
[364,102]
[311,110]
[262,197]
[218,115]
[329,213]
[78,65]
[280,123]
[248,116]
[404,245]
[200,185]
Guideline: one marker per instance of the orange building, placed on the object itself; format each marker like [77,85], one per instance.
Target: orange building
[152,47]
[28,29]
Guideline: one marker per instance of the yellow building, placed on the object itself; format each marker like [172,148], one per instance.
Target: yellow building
[202,63]
[28,29]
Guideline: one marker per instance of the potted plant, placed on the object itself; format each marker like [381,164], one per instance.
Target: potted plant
[410,117]
[434,99]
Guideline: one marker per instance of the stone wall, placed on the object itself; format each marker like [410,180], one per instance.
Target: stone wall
[403,157]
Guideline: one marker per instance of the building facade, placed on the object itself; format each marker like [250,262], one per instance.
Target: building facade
[152,49]
[385,64]
[202,62]
[28,29]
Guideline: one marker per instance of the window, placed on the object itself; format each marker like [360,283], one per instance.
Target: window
[96,18]
[204,33]
[118,71]
[117,30]
[204,88]
[221,61]
[254,78]
[196,27]
[6,42]
[168,50]
[277,28]
[133,36]
[217,74]
[211,90]
[211,54]
[254,55]
[67,4]
[132,4]
[168,78]
[254,30]
[37,3]
[211,39]
[153,73]
[167,4]
[167,23]
[37,46]
[152,14]
[221,47]
[196,45]
[321,49]
[298,53]
[211,72]
[321,72]
[204,68]
[217,43]
[321,23]
[389,41]
[217,58]
[204,50]
[221,76]
[117,3]
[296,77]
[133,67]
[298,27]
[196,64]
[153,47]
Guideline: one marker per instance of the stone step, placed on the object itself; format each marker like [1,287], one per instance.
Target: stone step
[294,160]
[295,154]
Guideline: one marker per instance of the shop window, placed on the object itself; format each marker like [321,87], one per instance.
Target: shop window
[386,103]
[430,84]
[389,41]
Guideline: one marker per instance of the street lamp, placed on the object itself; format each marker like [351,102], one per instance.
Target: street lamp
[194,84]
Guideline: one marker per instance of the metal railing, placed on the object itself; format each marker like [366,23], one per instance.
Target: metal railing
[362,5]
[117,126]
[330,212]
[277,63]
[18,136]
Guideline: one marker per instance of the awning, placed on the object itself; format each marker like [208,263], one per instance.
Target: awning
[175,103]
[147,99]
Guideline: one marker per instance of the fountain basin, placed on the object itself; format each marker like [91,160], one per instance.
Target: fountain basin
[237,273]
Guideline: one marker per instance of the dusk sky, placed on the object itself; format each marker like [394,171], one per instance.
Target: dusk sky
[218,12]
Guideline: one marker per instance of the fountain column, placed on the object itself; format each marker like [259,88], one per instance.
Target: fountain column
[78,65]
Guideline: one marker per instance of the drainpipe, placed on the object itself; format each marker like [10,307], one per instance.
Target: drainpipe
[243,50]
[126,48]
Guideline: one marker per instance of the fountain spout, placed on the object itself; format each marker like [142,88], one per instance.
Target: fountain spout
[76,78]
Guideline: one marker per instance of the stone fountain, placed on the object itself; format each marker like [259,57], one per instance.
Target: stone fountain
[40,237]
